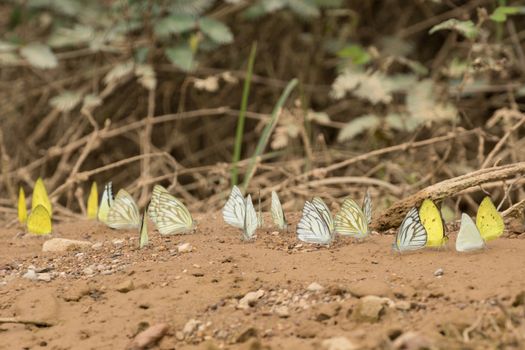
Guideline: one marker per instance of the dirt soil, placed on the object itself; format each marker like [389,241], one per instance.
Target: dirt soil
[102,296]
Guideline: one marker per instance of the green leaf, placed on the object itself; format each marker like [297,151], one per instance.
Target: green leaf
[181,56]
[355,53]
[357,126]
[216,30]
[174,24]
[39,56]
[501,12]
[466,28]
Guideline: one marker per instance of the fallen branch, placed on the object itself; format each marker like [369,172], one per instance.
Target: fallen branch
[393,216]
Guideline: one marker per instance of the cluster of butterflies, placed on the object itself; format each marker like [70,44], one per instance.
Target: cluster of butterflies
[316,224]
[422,227]
[168,213]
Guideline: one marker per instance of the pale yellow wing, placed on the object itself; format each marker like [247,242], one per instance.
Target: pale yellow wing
[92,203]
[40,197]
[143,232]
[169,214]
[124,213]
[351,220]
[22,206]
[430,217]
[105,203]
[489,221]
[39,221]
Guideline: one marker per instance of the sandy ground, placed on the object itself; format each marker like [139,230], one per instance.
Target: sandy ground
[102,297]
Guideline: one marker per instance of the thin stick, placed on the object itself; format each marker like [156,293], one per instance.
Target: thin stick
[25,321]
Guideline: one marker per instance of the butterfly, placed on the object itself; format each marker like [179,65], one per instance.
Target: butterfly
[143,233]
[432,221]
[468,237]
[489,221]
[412,234]
[278,213]
[124,213]
[39,221]
[168,213]
[316,224]
[40,196]
[260,220]
[250,220]
[22,206]
[352,220]
[105,203]
[92,203]
[233,211]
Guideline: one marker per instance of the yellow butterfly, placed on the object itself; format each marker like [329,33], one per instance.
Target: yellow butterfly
[22,207]
[40,197]
[92,203]
[277,211]
[489,221]
[124,213]
[143,233]
[352,220]
[105,203]
[168,213]
[431,220]
[39,221]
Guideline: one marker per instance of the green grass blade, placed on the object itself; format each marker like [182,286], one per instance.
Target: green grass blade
[242,116]
[267,131]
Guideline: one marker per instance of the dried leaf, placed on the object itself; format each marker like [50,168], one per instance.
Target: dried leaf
[357,126]
[466,28]
[422,105]
[210,84]
[318,117]
[146,75]
[66,101]
[39,56]
[118,72]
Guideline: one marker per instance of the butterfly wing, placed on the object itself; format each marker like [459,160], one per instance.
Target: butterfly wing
[468,237]
[367,207]
[170,215]
[250,220]
[105,203]
[323,209]
[489,221]
[124,213]
[277,212]
[411,234]
[143,232]
[40,197]
[22,207]
[351,220]
[312,228]
[92,203]
[233,211]
[430,217]
[39,221]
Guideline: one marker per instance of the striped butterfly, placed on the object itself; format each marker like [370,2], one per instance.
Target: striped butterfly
[315,224]
[260,220]
[124,213]
[351,220]
[412,234]
[367,207]
[278,213]
[143,232]
[250,220]
[168,213]
[469,237]
[105,203]
[233,211]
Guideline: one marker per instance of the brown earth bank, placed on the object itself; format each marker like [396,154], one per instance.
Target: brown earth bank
[353,295]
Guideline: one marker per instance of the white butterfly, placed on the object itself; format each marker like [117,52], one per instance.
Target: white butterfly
[278,213]
[260,220]
[105,203]
[412,234]
[351,220]
[314,226]
[233,211]
[250,220]
[468,237]
[367,207]
[168,213]
[143,233]
[124,213]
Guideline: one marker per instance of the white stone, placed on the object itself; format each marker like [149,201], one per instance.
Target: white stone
[184,248]
[338,343]
[314,287]
[190,327]
[30,275]
[250,299]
